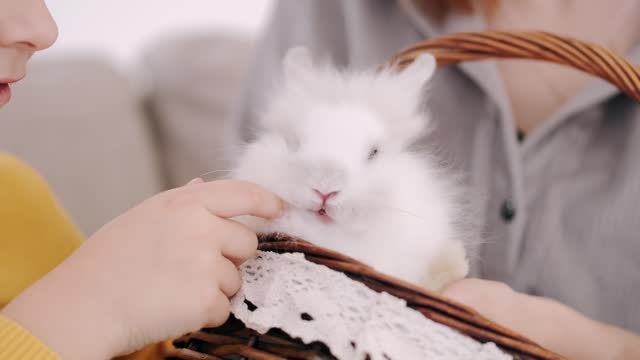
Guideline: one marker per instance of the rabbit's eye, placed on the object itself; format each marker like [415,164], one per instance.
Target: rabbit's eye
[373,153]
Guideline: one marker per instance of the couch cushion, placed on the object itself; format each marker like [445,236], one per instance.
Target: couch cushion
[195,81]
[79,123]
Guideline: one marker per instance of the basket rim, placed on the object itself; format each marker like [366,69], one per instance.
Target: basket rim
[582,55]
[433,305]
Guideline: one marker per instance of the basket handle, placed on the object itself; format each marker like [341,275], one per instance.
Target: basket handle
[536,45]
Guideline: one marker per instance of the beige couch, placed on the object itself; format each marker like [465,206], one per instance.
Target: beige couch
[105,140]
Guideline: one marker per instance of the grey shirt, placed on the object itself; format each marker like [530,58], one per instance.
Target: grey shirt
[561,209]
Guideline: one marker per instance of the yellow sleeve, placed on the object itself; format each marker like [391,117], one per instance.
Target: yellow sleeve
[35,233]
[17,343]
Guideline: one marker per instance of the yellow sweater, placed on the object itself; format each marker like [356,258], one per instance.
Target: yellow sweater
[35,236]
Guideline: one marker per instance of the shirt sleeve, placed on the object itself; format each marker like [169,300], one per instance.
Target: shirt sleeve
[16,343]
[35,232]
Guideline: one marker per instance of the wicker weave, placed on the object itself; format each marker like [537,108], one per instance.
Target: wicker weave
[536,45]
[234,341]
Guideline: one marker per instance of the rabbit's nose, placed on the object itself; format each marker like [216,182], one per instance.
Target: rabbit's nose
[325,196]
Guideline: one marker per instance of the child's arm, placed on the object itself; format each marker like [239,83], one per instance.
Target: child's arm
[16,343]
[125,287]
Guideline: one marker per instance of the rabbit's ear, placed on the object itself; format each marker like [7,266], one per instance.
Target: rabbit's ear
[297,63]
[419,72]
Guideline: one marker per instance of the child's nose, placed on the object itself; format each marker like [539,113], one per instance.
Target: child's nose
[30,26]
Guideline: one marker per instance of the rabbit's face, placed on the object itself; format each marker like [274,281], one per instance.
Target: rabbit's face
[334,168]
[332,142]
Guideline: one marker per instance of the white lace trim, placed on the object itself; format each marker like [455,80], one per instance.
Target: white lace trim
[314,303]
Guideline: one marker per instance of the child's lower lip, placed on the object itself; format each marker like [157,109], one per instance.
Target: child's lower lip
[5,94]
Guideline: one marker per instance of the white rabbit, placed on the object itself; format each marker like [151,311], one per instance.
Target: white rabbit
[335,146]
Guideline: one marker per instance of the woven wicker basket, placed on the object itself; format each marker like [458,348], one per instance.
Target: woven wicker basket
[234,341]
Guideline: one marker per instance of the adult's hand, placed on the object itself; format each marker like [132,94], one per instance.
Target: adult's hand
[545,321]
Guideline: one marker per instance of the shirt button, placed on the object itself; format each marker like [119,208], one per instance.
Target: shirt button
[508,211]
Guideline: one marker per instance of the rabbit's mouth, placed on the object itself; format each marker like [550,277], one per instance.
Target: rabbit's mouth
[323,216]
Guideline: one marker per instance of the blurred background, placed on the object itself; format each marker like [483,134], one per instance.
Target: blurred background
[106,115]
[121,29]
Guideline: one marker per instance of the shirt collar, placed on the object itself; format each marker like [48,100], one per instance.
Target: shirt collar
[484,73]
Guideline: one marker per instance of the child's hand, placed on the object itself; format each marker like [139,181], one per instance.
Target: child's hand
[546,321]
[164,268]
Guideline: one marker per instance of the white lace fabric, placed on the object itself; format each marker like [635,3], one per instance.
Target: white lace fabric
[315,303]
